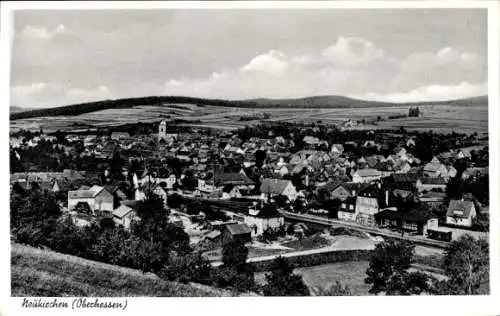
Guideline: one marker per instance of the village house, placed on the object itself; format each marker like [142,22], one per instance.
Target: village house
[434,170]
[337,149]
[230,191]
[461,213]
[366,208]
[412,221]
[428,184]
[124,215]
[431,198]
[236,232]
[96,197]
[366,175]
[72,138]
[347,210]
[117,136]
[259,220]
[272,187]
[339,192]
[147,188]
[474,172]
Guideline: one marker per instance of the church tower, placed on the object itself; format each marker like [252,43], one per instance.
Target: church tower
[162,131]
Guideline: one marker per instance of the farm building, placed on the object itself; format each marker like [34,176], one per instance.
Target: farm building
[236,232]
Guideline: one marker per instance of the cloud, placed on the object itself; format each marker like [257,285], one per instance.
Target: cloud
[42,94]
[350,67]
[431,93]
[352,52]
[35,32]
[271,62]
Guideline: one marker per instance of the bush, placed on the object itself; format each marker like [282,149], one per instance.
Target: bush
[189,268]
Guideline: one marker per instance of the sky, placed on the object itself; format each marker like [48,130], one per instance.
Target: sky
[65,57]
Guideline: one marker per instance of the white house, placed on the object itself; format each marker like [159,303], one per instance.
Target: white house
[124,215]
[260,220]
[461,213]
[366,208]
[435,170]
[97,198]
[347,210]
[366,175]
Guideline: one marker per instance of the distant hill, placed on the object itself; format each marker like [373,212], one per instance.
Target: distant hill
[16,109]
[310,102]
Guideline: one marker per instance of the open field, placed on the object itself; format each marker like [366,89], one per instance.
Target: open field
[439,118]
[350,273]
[37,272]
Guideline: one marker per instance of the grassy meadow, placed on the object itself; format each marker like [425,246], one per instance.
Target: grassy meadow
[37,272]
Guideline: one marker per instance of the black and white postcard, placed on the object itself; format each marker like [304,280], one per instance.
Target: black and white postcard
[267,149]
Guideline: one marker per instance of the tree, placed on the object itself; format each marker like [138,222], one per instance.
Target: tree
[188,268]
[235,271]
[334,290]
[154,226]
[174,201]
[455,188]
[283,282]
[234,254]
[299,205]
[388,270]
[260,157]
[466,263]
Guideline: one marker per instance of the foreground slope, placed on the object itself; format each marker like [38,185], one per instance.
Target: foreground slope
[37,272]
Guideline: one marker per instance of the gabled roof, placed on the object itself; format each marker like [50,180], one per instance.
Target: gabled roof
[433,167]
[401,193]
[122,210]
[368,172]
[80,194]
[236,178]
[274,186]
[238,229]
[459,208]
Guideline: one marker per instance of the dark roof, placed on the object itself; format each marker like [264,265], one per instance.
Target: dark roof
[238,229]
[269,211]
[399,177]
[235,178]
[413,215]
[273,186]
[433,181]
[460,208]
